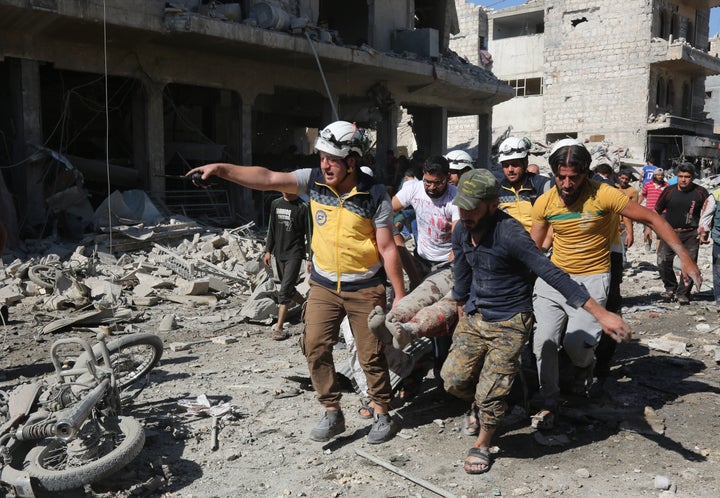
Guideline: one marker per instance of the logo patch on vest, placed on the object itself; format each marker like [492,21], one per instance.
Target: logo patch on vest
[320,217]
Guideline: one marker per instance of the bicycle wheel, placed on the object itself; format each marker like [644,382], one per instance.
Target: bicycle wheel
[100,449]
[43,275]
[132,357]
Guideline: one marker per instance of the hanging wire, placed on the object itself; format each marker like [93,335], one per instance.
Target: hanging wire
[107,125]
[322,75]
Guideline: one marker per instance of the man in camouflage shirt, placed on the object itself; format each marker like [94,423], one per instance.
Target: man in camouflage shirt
[494,256]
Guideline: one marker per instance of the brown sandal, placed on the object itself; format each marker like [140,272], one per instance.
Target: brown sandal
[280,335]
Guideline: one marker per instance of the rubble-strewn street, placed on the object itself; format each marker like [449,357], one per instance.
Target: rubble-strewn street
[655,434]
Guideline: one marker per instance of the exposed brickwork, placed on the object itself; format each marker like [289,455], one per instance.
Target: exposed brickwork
[600,71]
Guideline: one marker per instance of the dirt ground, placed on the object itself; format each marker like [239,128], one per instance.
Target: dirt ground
[659,419]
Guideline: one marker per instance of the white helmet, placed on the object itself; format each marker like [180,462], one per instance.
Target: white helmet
[459,160]
[512,148]
[341,138]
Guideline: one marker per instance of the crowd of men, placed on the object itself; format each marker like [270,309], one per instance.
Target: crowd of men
[523,260]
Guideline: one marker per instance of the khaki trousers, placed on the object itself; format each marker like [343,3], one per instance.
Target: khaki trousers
[324,311]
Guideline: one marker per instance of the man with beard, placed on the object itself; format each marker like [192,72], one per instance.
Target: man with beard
[582,212]
[436,216]
[352,244]
[494,256]
[431,199]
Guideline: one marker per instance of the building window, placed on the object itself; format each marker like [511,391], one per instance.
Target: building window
[527,86]
[663,24]
[686,101]
[660,93]
[525,24]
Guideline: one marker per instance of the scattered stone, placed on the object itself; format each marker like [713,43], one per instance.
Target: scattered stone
[667,346]
[167,323]
[661,482]
[521,491]
[583,473]
[224,339]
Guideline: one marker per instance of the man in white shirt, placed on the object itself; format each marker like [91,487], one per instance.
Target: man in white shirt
[435,214]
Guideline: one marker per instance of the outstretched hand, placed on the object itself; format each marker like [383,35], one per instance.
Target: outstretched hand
[617,328]
[201,175]
[692,272]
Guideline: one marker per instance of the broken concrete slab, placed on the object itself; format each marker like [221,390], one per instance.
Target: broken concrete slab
[218,285]
[208,300]
[10,294]
[192,288]
[89,318]
[147,280]
[145,300]
[669,343]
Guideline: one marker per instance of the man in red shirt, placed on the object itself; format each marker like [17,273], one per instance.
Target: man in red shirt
[651,192]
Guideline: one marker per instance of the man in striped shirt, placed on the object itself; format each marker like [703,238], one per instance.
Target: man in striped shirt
[651,192]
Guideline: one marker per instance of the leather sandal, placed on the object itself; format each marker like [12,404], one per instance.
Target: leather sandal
[483,458]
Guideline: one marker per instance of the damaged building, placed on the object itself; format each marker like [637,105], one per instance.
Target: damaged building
[629,73]
[130,94]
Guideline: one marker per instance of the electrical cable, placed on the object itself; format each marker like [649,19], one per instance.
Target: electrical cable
[322,75]
[107,126]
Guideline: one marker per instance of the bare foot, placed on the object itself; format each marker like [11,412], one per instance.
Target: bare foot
[402,333]
[376,323]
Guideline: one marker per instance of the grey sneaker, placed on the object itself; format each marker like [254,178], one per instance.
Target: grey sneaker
[330,425]
[383,429]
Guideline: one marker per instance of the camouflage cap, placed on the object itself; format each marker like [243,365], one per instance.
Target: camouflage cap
[475,186]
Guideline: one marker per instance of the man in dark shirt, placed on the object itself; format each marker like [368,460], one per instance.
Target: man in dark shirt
[494,256]
[288,240]
[682,204]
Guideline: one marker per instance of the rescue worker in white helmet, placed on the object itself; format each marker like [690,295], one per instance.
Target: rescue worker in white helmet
[353,256]
[519,188]
[460,162]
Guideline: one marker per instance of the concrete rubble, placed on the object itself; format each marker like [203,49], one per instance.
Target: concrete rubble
[87,285]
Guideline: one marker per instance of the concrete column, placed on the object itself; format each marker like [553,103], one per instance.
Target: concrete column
[241,198]
[28,182]
[386,139]
[155,136]
[484,140]
[438,130]
[139,134]
[430,128]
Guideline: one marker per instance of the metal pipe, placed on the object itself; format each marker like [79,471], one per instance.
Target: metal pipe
[68,425]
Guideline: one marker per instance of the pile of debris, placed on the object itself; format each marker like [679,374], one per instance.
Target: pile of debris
[85,286]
